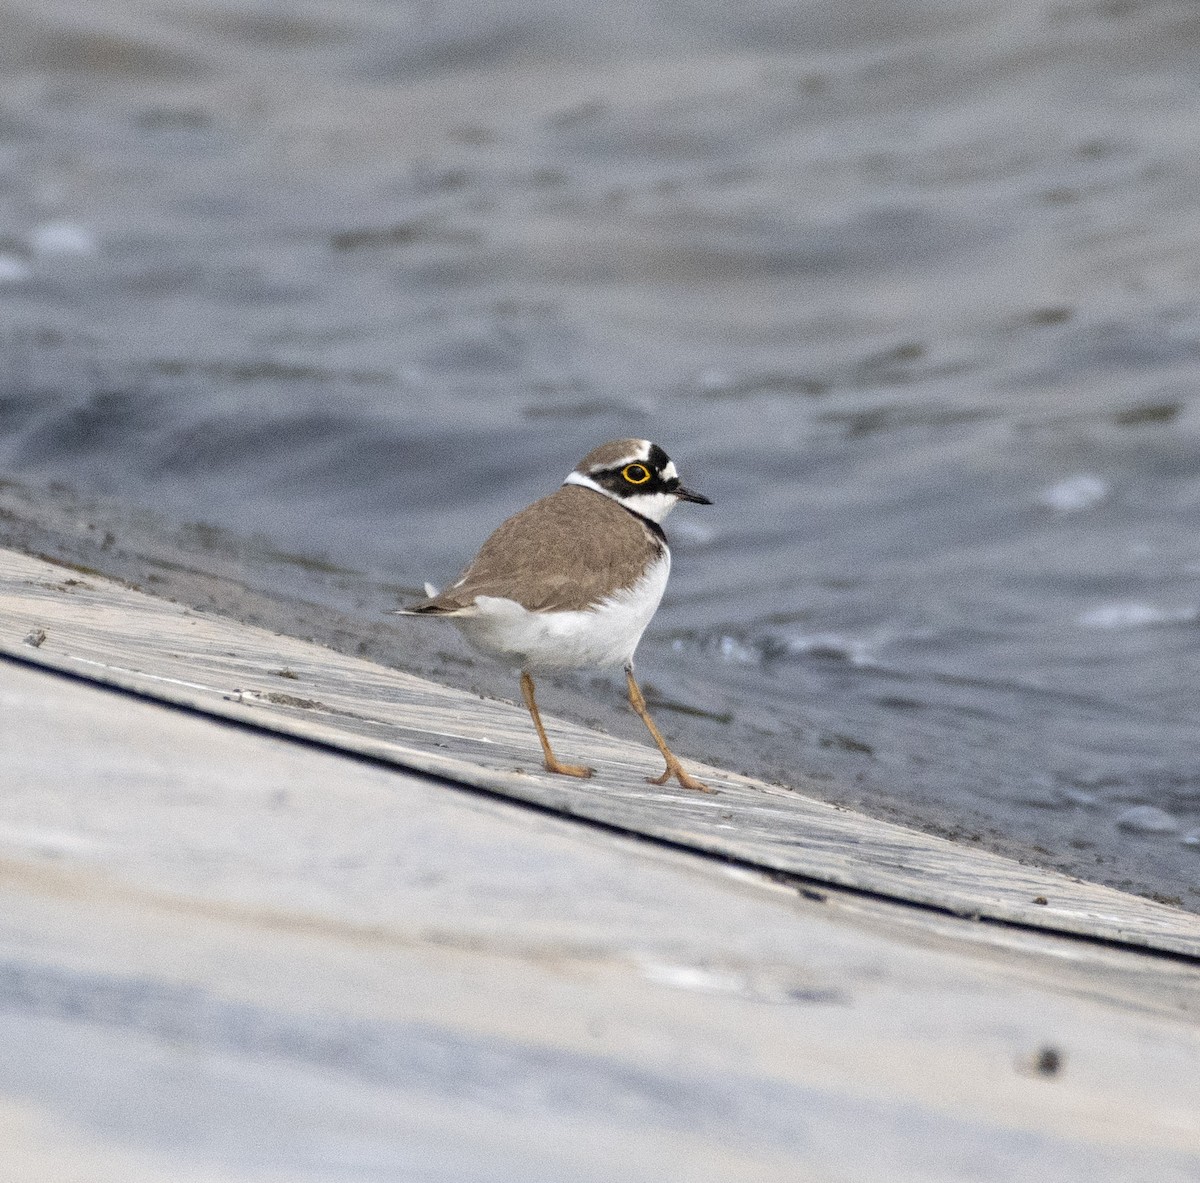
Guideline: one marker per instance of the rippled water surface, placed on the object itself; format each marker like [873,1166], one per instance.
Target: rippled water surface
[910,291]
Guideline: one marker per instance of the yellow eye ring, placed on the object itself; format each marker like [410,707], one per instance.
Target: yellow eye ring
[636,474]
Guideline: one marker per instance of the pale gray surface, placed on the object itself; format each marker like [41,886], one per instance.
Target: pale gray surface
[123,637]
[226,956]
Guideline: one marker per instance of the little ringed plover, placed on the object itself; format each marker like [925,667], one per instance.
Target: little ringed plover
[573,580]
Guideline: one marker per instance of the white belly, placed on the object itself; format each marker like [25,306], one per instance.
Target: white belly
[606,635]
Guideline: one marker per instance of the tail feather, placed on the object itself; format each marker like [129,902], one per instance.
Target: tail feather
[424,607]
[436,605]
[428,607]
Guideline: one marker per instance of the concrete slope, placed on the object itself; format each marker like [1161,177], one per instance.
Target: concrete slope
[119,637]
[228,956]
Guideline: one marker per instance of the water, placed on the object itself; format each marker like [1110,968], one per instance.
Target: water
[909,292]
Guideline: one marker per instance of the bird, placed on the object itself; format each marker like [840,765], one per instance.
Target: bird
[572,581]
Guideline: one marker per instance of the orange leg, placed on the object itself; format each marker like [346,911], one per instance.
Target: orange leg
[552,762]
[674,768]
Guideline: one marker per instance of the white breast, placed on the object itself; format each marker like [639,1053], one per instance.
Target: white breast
[605,635]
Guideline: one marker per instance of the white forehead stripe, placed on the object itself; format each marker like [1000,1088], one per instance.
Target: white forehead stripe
[670,473]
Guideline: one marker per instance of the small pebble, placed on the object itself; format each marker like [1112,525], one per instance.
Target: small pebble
[1046,1062]
[35,637]
[1049,1061]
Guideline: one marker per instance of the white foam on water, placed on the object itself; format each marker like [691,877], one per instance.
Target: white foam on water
[1075,493]
[13,269]
[1134,614]
[1147,819]
[858,651]
[62,238]
[734,650]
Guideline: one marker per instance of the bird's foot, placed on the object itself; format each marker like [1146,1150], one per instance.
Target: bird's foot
[582,771]
[675,769]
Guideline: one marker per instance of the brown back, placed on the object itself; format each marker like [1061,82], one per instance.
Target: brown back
[564,553]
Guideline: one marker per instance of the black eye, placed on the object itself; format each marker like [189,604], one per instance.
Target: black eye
[636,474]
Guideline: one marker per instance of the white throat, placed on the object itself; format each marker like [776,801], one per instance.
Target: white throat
[654,506]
